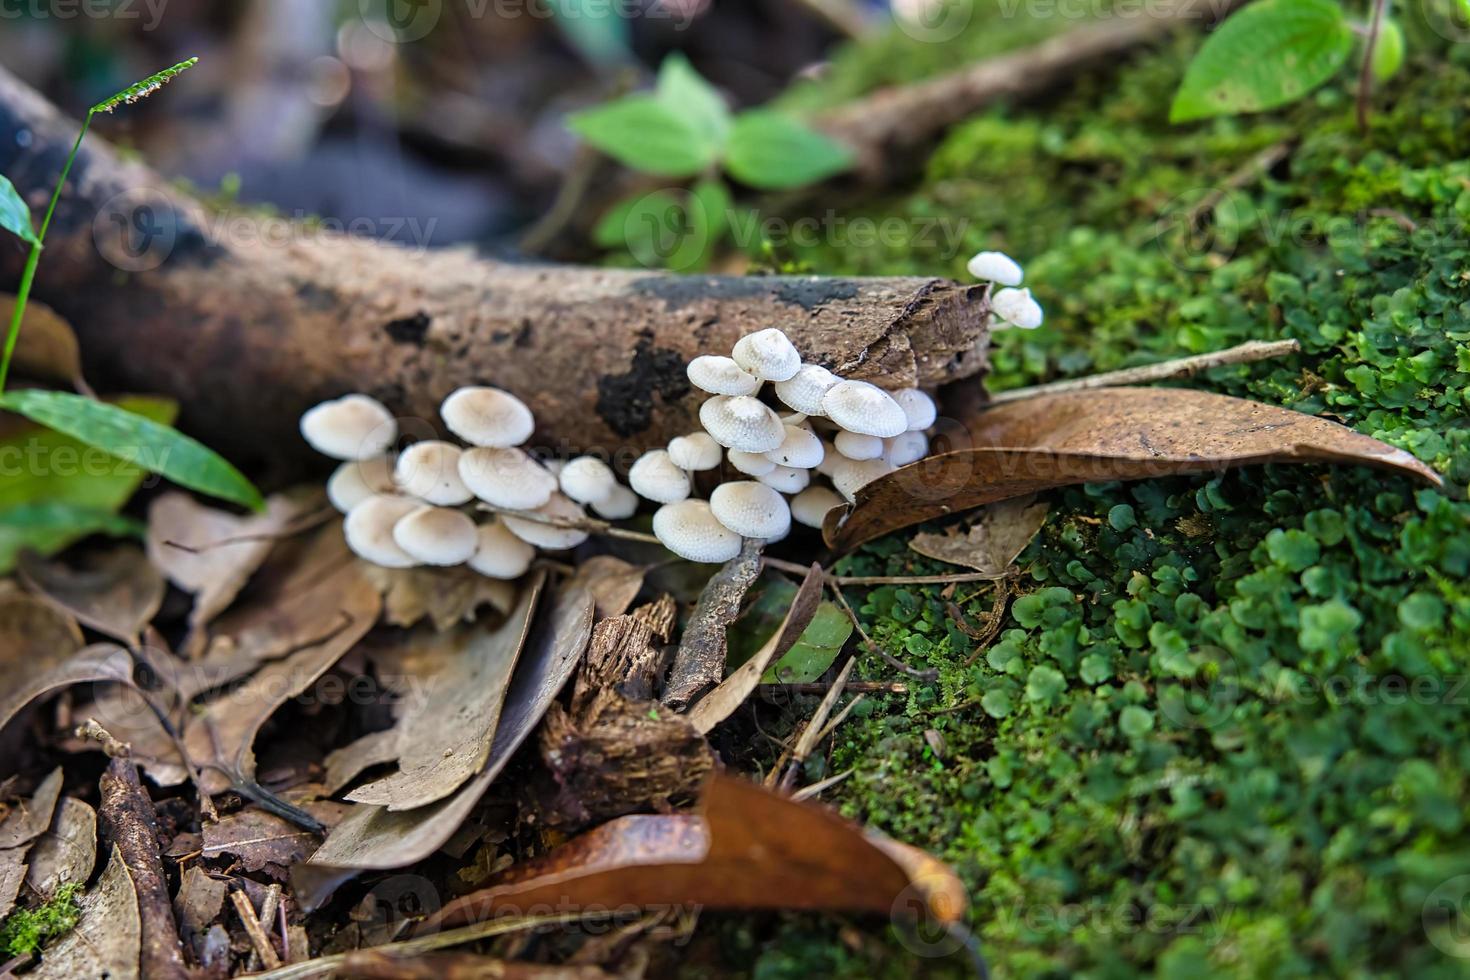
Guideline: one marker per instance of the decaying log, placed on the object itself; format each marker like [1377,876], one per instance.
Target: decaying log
[248,321]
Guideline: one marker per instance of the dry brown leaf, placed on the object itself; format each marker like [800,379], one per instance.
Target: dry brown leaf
[999,533]
[259,838]
[107,940]
[99,662]
[23,823]
[198,905]
[117,593]
[376,838]
[36,638]
[746,848]
[47,349]
[12,875]
[446,729]
[731,693]
[1104,434]
[700,662]
[383,964]
[614,583]
[445,596]
[67,852]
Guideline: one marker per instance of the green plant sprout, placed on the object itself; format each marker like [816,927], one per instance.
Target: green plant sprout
[126,435]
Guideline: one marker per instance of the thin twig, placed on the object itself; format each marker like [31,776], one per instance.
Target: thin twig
[290,529]
[958,577]
[267,917]
[258,938]
[1365,77]
[807,792]
[888,658]
[1254,168]
[812,734]
[1182,367]
[853,687]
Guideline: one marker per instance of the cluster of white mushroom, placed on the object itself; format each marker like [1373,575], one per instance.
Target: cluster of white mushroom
[411,508]
[1009,306]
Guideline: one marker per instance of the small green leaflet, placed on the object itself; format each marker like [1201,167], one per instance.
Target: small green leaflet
[57,517]
[137,440]
[1270,53]
[15,217]
[144,88]
[771,150]
[1388,52]
[815,650]
[643,133]
[671,229]
[685,91]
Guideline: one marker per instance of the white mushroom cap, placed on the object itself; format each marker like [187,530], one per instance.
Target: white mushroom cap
[861,407]
[720,375]
[369,530]
[429,470]
[854,445]
[905,448]
[587,479]
[499,553]
[654,476]
[549,536]
[1016,307]
[751,464]
[995,267]
[918,407]
[742,422]
[830,458]
[619,505]
[350,427]
[801,449]
[689,529]
[488,417]
[803,391]
[812,504]
[787,479]
[800,419]
[437,535]
[357,480]
[507,478]
[768,354]
[696,451]
[850,476]
[751,510]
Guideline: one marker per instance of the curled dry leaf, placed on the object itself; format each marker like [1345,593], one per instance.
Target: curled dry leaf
[999,533]
[35,639]
[99,662]
[614,583]
[445,596]
[700,662]
[376,838]
[198,905]
[746,848]
[117,593]
[108,938]
[67,852]
[261,839]
[23,823]
[1100,435]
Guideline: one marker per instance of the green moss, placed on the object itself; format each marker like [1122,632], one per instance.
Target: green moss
[1224,730]
[26,930]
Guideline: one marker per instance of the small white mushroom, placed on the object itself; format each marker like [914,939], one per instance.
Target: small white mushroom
[850,476]
[995,267]
[768,354]
[587,479]
[855,445]
[720,375]
[742,422]
[357,480]
[905,448]
[547,535]
[499,553]
[488,417]
[690,530]
[437,535]
[1016,307]
[619,505]
[918,407]
[696,451]
[811,505]
[429,470]
[751,510]
[787,479]
[350,427]
[751,464]
[803,391]
[797,419]
[369,530]
[655,477]
[830,458]
[861,407]
[801,449]
[507,478]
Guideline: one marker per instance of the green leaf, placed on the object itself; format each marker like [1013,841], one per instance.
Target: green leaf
[1270,53]
[815,650]
[135,439]
[15,217]
[53,516]
[669,229]
[39,467]
[643,133]
[685,91]
[771,150]
[1388,52]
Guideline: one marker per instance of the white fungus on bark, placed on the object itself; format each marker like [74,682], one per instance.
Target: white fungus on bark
[811,505]
[803,391]
[697,451]
[751,464]
[429,470]
[855,445]
[720,375]
[507,478]
[1016,307]
[865,408]
[437,535]
[918,407]
[369,530]
[356,480]
[483,416]
[499,553]
[801,448]
[751,510]
[350,427]
[767,354]
[742,422]
[690,530]
[996,267]
[587,479]
[655,477]
[546,534]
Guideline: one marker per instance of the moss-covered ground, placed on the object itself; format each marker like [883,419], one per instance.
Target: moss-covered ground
[1226,727]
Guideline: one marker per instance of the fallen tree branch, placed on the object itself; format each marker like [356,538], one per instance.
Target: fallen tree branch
[248,320]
